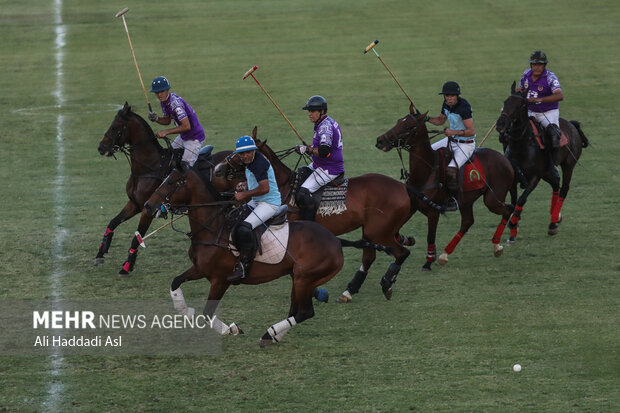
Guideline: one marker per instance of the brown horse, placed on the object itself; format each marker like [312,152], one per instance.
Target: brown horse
[523,149]
[426,174]
[377,203]
[150,163]
[312,255]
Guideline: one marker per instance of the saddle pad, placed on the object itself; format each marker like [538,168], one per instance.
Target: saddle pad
[473,175]
[333,199]
[538,136]
[273,244]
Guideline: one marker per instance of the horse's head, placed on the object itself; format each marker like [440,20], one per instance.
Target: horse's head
[173,190]
[125,127]
[230,168]
[514,113]
[404,133]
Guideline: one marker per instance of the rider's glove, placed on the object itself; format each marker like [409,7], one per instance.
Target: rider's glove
[301,149]
[153,116]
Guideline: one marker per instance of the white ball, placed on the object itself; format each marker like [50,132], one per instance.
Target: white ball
[517,367]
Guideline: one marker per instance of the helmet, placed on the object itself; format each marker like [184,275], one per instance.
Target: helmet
[538,57]
[316,103]
[450,88]
[160,84]
[244,144]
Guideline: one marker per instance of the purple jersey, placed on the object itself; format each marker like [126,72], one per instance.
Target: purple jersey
[545,86]
[178,109]
[327,132]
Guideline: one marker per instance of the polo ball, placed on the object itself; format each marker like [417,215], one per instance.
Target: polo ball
[517,367]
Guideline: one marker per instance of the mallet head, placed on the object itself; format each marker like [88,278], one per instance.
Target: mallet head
[140,239]
[120,13]
[249,72]
[370,46]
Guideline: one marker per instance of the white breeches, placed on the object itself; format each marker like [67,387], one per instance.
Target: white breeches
[190,149]
[462,151]
[261,212]
[545,118]
[319,178]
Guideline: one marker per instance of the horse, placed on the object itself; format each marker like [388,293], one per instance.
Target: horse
[312,254]
[492,177]
[149,163]
[380,205]
[522,147]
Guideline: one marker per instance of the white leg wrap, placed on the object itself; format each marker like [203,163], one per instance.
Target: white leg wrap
[278,330]
[179,301]
[221,328]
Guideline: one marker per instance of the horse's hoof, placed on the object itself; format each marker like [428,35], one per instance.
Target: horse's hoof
[321,295]
[510,241]
[443,259]
[426,267]
[345,297]
[123,273]
[235,330]
[498,250]
[553,229]
[388,294]
[98,261]
[266,340]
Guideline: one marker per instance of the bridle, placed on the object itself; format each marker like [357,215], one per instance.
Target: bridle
[511,129]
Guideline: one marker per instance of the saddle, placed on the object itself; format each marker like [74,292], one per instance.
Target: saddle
[471,176]
[275,224]
[541,138]
[330,199]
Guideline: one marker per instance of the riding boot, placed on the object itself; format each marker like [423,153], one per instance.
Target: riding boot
[452,189]
[306,203]
[242,267]
[185,167]
[555,136]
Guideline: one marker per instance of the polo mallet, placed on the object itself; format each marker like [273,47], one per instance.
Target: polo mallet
[371,46]
[488,133]
[122,14]
[251,73]
[141,238]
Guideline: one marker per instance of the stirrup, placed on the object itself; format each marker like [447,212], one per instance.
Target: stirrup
[237,275]
[451,205]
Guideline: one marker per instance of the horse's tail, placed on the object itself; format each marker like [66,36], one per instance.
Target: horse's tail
[584,141]
[365,244]
[415,194]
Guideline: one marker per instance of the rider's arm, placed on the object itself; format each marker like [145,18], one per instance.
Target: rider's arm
[183,127]
[438,120]
[469,129]
[261,189]
[556,96]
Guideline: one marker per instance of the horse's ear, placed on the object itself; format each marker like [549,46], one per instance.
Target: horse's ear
[514,85]
[254,132]
[411,108]
[126,108]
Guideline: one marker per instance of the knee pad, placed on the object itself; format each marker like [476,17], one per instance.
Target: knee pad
[303,198]
[242,236]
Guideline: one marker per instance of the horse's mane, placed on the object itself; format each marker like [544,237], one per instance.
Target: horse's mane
[145,126]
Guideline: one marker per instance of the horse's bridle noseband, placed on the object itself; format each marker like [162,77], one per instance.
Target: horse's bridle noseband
[399,140]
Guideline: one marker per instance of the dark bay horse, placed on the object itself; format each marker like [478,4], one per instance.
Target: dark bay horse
[313,255]
[522,147]
[149,162]
[426,174]
[377,203]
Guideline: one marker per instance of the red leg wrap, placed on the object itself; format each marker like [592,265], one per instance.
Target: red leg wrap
[555,215]
[452,245]
[497,237]
[513,232]
[126,266]
[554,199]
[430,253]
[516,215]
[132,251]
[108,231]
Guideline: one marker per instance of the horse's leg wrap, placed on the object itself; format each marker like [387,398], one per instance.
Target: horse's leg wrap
[178,300]
[404,240]
[516,216]
[278,330]
[431,254]
[455,240]
[555,215]
[106,241]
[390,277]
[217,325]
[554,199]
[356,283]
[131,261]
[497,237]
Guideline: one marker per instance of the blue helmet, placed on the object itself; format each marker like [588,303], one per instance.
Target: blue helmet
[160,84]
[244,144]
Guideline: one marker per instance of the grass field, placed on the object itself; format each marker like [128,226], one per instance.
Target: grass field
[447,340]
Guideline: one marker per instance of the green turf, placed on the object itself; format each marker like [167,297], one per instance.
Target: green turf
[447,340]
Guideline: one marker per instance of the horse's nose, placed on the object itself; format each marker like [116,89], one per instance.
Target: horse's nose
[381,143]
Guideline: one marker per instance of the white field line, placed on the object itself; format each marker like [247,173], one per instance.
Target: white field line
[55,388]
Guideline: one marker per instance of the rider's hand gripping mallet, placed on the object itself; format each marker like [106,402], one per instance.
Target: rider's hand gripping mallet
[122,14]
[371,46]
[251,73]
[141,238]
